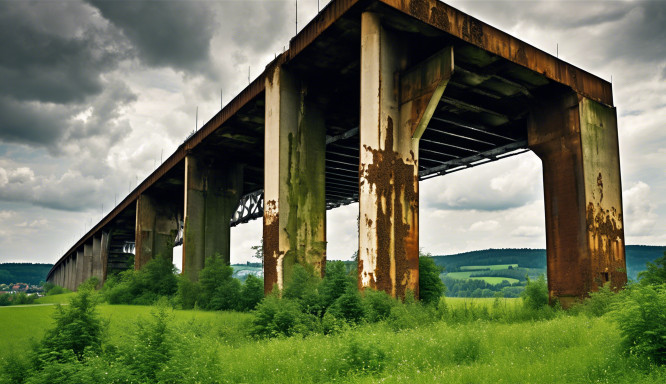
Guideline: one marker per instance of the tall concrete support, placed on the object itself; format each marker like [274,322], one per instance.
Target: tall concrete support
[398,99]
[87,261]
[79,265]
[104,256]
[294,181]
[156,229]
[97,258]
[69,275]
[212,192]
[576,139]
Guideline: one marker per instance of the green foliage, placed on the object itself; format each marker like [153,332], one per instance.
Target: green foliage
[51,289]
[641,317]
[252,293]
[431,287]
[362,357]
[145,286]
[348,306]
[535,295]
[20,298]
[335,283]
[378,305]
[466,349]
[281,317]
[655,274]
[78,328]
[599,303]
[152,345]
[28,273]
[188,292]
[219,290]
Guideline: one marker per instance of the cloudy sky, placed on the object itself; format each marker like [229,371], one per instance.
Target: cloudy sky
[92,94]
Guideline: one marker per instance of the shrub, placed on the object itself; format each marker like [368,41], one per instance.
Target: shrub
[431,287]
[535,295]
[335,283]
[145,286]
[188,292]
[641,317]
[151,347]
[219,290]
[378,305]
[77,328]
[275,317]
[363,357]
[600,302]
[251,293]
[348,306]
[655,274]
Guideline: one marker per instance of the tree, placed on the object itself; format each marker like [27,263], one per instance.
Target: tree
[78,328]
[655,274]
[219,290]
[535,295]
[431,287]
[259,250]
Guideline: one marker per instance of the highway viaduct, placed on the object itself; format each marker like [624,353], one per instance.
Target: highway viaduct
[370,98]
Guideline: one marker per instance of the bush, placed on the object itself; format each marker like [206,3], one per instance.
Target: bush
[278,317]
[431,287]
[600,302]
[219,290]
[188,292]
[535,295]
[466,350]
[348,306]
[360,356]
[143,287]
[335,283]
[378,305]
[252,293]
[655,274]
[78,328]
[151,347]
[641,317]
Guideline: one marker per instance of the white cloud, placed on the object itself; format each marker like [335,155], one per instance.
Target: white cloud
[485,225]
[639,210]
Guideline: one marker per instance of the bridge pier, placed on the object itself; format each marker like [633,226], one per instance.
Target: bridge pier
[576,139]
[212,191]
[79,264]
[87,261]
[294,179]
[396,105]
[156,229]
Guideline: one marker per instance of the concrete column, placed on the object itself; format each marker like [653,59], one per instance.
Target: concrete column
[212,193]
[156,229]
[87,260]
[294,184]
[397,102]
[68,272]
[97,258]
[576,139]
[104,256]
[79,265]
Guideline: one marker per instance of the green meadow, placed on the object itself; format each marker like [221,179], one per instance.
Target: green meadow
[480,346]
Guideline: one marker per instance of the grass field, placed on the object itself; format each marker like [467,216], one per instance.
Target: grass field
[487,279]
[491,267]
[566,349]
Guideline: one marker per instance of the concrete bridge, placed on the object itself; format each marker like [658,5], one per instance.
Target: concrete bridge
[370,98]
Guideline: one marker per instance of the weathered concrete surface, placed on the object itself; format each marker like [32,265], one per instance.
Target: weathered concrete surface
[396,105]
[104,256]
[212,191]
[294,185]
[576,139]
[96,270]
[80,267]
[156,229]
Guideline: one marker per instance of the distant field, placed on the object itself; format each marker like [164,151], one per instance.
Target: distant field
[491,267]
[495,280]
[62,298]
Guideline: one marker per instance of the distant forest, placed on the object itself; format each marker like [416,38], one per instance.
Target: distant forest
[11,273]
[637,256]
